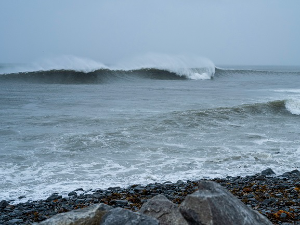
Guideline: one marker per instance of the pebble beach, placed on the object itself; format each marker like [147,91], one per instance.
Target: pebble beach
[274,196]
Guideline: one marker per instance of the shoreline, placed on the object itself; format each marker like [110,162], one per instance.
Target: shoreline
[275,196]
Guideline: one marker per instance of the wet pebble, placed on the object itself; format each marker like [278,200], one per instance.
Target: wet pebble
[3,204]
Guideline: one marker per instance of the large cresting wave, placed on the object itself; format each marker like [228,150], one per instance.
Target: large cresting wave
[70,69]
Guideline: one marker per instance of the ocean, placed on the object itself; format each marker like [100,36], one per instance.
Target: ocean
[74,123]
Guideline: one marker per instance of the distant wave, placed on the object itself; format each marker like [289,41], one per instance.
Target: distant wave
[102,75]
[106,74]
[282,107]
[225,71]
[273,107]
[70,69]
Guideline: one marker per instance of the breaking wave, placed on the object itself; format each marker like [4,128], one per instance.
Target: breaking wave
[293,105]
[70,69]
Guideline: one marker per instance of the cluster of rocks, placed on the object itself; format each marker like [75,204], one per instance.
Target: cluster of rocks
[276,197]
[211,204]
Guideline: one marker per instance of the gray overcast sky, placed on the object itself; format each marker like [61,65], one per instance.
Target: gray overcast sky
[234,32]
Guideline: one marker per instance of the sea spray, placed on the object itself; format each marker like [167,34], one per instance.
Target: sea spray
[69,62]
[293,105]
[195,68]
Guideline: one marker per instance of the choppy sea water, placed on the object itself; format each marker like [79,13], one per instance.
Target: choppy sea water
[63,128]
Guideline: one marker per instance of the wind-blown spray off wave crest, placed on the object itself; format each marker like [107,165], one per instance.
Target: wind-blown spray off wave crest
[195,68]
[68,63]
[70,69]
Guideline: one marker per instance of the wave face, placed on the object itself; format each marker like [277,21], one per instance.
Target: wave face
[100,76]
[70,69]
[274,108]
[95,75]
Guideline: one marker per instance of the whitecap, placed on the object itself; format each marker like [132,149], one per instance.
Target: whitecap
[293,105]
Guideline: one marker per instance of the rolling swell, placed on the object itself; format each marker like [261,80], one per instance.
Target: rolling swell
[104,75]
[228,72]
[94,77]
[268,108]
[248,111]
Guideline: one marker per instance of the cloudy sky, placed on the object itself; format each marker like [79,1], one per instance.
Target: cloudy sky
[232,32]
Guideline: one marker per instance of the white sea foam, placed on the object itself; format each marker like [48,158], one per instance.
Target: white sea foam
[69,62]
[40,181]
[293,105]
[288,90]
[200,76]
[66,62]
[195,68]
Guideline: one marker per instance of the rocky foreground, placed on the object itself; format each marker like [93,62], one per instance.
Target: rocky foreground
[275,197]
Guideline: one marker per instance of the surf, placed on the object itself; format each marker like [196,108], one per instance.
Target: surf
[71,69]
[277,107]
[293,106]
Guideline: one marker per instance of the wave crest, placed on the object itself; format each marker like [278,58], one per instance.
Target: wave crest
[194,68]
[278,107]
[188,68]
[293,106]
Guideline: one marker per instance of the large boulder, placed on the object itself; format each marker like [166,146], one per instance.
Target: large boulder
[91,215]
[164,210]
[119,216]
[292,174]
[213,205]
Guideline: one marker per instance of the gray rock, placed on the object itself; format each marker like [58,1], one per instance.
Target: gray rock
[268,172]
[121,202]
[119,216]
[97,195]
[283,215]
[164,210]
[21,197]
[212,204]
[261,177]
[79,189]
[114,188]
[15,221]
[293,173]
[80,201]
[72,193]
[139,189]
[91,215]
[54,196]
[267,202]
[89,200]
[3,204]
